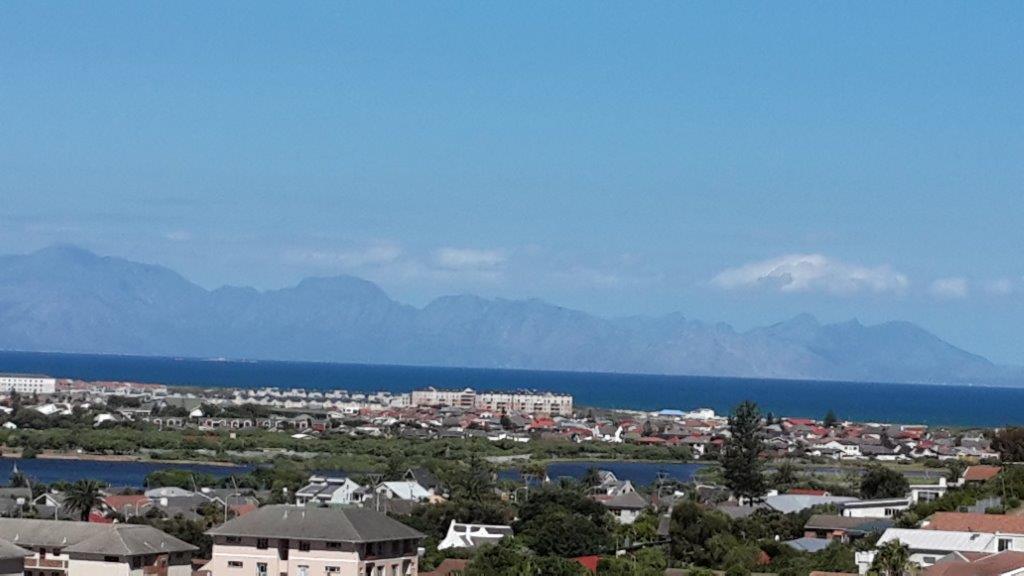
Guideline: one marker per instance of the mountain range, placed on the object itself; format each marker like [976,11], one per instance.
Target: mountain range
[67,299]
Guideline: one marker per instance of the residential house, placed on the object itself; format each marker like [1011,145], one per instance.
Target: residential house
[330,491]
[470,536]
[625,506]
[304,541]
[404,490]
[88,549]
[928,546]
[978,474]
[880,508]
[843,528]
[928,492]
[972,522]
[1007,563]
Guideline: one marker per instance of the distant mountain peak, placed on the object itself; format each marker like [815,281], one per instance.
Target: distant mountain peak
[66,298]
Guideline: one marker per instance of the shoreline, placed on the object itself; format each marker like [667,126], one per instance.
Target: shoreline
[128,458]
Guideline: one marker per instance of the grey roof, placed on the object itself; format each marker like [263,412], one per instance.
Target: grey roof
[324,524]
[809,544]
[627,501]
[848,523]
[9,551]
[89,538]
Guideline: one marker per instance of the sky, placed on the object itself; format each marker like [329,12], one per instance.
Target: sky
[733,161]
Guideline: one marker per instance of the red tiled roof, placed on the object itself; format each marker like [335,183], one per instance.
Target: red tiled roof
[971,522]
[981,472]
[243,509]
[589,562]
[447,567]
[990,565]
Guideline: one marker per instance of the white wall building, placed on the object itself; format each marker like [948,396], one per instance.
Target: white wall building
[928,546]
[497,402]
[27,384]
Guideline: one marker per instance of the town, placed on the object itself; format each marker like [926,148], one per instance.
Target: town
[446,482]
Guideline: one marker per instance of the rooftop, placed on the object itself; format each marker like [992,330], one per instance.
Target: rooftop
[323,524]
[84,537]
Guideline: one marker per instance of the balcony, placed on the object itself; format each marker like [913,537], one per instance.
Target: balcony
[46,563]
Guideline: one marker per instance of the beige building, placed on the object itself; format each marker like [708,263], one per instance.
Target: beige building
[27,384]
[499,402]
[304,541]
[59,548]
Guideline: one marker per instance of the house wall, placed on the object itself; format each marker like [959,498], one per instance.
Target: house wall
[874,512]
[347,561]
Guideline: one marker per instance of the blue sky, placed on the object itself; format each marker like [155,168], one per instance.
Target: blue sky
[733,161]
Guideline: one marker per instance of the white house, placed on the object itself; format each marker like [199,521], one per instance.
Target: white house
[928,492]
[470,536]
[882,508]
[329,491]
[928,546]
[405,490]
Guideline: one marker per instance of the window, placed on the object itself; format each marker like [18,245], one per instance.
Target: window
[234,564]
[334,545]
[1005,544]
[332,569]
[303,570]
[232,540]
[261,569]
[111,559]
[303,546]
[262,544]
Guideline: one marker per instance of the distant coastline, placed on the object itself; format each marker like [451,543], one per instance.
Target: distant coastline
[976,405]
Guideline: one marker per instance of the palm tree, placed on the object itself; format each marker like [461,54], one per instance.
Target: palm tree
[892,559]
[82,497]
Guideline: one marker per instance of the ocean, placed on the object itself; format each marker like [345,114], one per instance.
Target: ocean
[956,405]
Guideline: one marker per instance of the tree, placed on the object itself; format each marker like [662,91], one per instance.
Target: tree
[830,419]
[882,482]
[892,559]
[81,497]
[785,475]
[741,457]
[510,558]
[691,527]
[1009,442]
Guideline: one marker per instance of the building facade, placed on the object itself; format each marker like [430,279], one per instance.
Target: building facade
[27,384]
[304,541]
[498,402]
[60,548]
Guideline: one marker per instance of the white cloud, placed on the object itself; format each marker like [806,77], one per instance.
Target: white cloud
[179,236]
[467,258]
[372,255]
[1000,287]
[949,288]
[811,273]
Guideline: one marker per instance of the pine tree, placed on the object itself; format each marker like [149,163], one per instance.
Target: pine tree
[830,419]
[741,457]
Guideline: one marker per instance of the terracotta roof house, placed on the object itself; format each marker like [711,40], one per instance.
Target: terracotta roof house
[972,522]
[448,567]
[980,473]
[1007,563]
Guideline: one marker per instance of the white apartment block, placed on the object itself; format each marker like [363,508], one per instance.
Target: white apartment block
[498,402]
[27,384]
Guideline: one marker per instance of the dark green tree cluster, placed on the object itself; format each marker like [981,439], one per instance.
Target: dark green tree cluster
[742,462]
[882,482]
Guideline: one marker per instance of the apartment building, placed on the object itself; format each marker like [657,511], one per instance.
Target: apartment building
[499,402]
[305,541]
[59,548]
[27,384]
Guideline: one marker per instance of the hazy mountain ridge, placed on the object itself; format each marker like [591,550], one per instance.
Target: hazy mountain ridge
[68,299]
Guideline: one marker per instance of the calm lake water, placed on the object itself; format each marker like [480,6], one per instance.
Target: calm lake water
[117,474]
[905,403]
[639,473]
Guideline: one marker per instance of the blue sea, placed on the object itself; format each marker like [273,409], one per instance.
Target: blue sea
[115,474]
[863,401]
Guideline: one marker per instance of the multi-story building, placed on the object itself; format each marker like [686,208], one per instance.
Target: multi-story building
[61,548]
[27,384]
[528,402]
[304,541]
[438,397]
